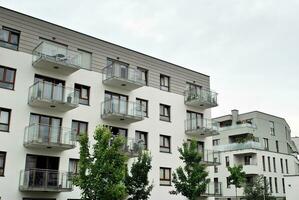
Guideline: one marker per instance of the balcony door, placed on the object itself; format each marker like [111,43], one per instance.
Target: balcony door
[50,88]
[194,120]
[47,129]
[116,103]
[41,171]
[119,69]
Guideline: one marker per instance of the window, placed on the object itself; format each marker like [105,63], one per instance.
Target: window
[264,164]
[83,93]
[226,161]
[85,59]
[274,165]
[287,166]
[165,176]
[142,106]
[7,78]
[119,131]
[275,184]
[165,143]
[270,184]
[227,182]
[283,186]
[266,144]
[9,38]
[79,127]
[115,103]
[194,120]
[164,112]
[277,145]
[248,160]
[281,165]
[215,169]
[269,164]
[143,74]
[164,82]
[216,142]
[272,130]
[142,137]
[74,166]
[2,162]
[4,119]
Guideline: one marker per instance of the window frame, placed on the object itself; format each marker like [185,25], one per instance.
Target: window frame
[227,164]
[78,127]
[165,137]
[145,71]
[4,77]
[163,178]
[9,118]
[77,166]
[269,163]
[163,86]
[11,32]
[216,142]
[272,128]
[264,163]
[146,103]
[79,87]
[4,161]
[274,164]
[145,136]
[164,117]
[266,143]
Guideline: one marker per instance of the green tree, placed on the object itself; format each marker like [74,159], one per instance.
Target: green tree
[237,177]
[102,172]
[137,182]
[258,190]
[191,180]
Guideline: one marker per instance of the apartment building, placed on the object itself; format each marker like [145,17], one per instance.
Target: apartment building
[56,83]
[262,144]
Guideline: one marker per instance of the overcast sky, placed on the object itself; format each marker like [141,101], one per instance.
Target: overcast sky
[248,47]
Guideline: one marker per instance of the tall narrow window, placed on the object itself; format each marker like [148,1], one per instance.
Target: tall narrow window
[264,164]
[164,112]
[2,162]
[281,165]
[215,169]
[85,59]
[269,163]
[227,182]
[275,184]
[272,129]
[283,186]
[79,127]
[4,119]
[142,106]
[247,160]
[7,78]
[164,82]
[274,164]
[266,143]
[270,184]
[143,75]
[216,142]
[141,136]
[287,166]
[74,166]
[9,38]
[165,176]
[277,145]
[226,161]
[165,144]
[83,92]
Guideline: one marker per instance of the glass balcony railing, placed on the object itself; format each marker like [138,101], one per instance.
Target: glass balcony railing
[238,126]
[201,126]
[213,189]
[56,56]
[43,135]
[121,110]
[210,157]
[116,74]
[201,98]
[45,180]
[239,146]
[46,94]
[133,147]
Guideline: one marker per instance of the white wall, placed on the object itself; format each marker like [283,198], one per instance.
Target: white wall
[292,186]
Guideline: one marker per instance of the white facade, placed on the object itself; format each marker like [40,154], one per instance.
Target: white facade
[12,142]
[292,185]
[250,154]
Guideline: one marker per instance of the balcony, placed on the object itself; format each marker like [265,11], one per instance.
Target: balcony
[210,157]
[240,128]
[123,77]
[54,97]
[133,148]
[201,127]
[251,168]
[49,137]
[201,99]
[121,111]
[44,180]
[213,189]
[57,58]
[239,146]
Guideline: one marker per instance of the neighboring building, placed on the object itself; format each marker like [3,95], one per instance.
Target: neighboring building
[56,83]
[262,144]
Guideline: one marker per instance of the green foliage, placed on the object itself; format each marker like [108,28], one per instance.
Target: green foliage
[258,190]
[191,180]
[237,176]
[137,183]
[101,173]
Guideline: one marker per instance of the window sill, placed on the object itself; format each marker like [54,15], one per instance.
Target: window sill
[165,120]
[84,104]
[7,88]
[165,185]
[166,152]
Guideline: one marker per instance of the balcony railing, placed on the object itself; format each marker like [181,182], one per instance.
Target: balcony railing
[124,77]
[56,97]
[201,127]
[45,180]
[119,110]
[45,136]
[213,189]
[210,157]
[133,147]
[238,126]
[202,99]
[55,57]
[239,146]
